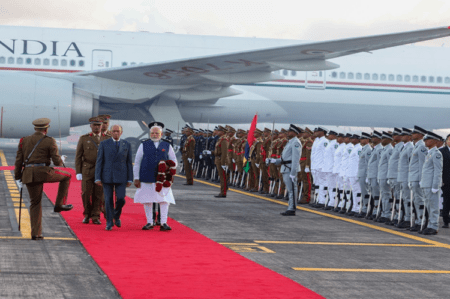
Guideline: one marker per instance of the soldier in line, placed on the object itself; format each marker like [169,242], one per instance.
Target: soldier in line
[85,160]
[383,166]
[305,166]
[263,154]
[282,143]
[364,157]
[327,168]
[392,173]
[105,125]
[255,150]
[319,176]
[221,153]
[272,167]
[167,136]
[182,141]
[352,175]
[189,155]
[32,168]
[372,175]
[239,156]
[230,156]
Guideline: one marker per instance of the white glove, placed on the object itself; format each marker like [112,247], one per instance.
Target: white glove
[257,165]
[273,161]
[388,182]
[367,180]
[63,158]
[19,184]
[267,160]
[293,178]
[176,148]
[434,190]
[201,157]
[306,169]
[79,176]
[233,160]
[209,152]
[224,167]
[205,152]
[189,160]
[410,185]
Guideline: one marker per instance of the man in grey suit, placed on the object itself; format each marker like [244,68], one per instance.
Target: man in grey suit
[290,166]
[402,178]
[393,172]
[114,171]
[364,157]
[431,182]
[372,175]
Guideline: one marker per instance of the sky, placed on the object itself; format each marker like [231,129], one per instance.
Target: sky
[286,19]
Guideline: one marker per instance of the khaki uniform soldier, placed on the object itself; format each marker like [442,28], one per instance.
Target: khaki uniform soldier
[273,171]
[238,156]
[188,154]
[105,125]
[36,172]
[264,154]
[254,156]
[280,149]
[305,165]
[230,156]
[221,156]
[242,154]
[85,159]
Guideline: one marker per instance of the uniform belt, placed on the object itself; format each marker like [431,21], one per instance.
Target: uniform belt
[303,159]
[35,165]
[286,162]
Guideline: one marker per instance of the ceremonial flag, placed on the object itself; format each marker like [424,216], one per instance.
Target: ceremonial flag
[250,139]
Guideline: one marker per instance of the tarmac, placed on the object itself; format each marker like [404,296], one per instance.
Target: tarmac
[336,256]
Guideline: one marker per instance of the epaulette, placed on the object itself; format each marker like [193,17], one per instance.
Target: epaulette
[20,142]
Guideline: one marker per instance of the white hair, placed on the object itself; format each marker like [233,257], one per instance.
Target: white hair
[160,128]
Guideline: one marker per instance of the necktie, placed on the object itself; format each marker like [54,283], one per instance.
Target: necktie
[117,145]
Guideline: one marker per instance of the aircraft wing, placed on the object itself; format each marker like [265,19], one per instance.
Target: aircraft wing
[256,65]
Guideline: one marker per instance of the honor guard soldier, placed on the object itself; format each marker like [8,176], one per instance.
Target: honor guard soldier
[336,171]
[272,167]
[385,189]
[431,182]
[182,141]
[239,156]
[188,155]
[403,173]
[344,183]
[418,156]
[327,168]
[290,166]
[221,153]
[364,157]
[282,143]
[32,168]
[319,176]
[352,175]
[393,173]
[105,125]
[85,159]
[200,146]
[265,149]
[255,151]
[372,175]
[305,166]
[167,136]
[230,156]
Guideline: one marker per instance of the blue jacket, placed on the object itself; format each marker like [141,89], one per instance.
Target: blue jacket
[150,160]
[114,166]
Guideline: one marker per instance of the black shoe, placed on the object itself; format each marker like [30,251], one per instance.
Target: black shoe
[96,221]
[37,238]
[342,211]
[148,226]
[403,224]
[165,227]
[279,197]
[108,227]
[220,195]
[430,231]
[337,210]
[118,223]
[288,213]
[415,228]
[328,208]
[61,208]
[389,222]
[85,220]
[350,213]
[383,220]
[286,198]
[445,225]
[273,195]
[359,215]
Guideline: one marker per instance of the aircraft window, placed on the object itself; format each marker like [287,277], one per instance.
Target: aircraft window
[383,77]
[342,75]
[407,78]
[439,79]
[124,64]
[358,76]
[46,61]
[350,75]
[37,61]
[11,60]
[415,78]
[81,63]
[391,77]
[293,73]
[284,71]
[107,64]
[28,61]
[447,80]
[431,79]
[374,76]
[72,63]
[63,62]
[399,78]
[19,60]
[366,76]
[2,60]
[423,79]
[334,74]
[55,62]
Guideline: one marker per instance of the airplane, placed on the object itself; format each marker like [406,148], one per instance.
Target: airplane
[70,75]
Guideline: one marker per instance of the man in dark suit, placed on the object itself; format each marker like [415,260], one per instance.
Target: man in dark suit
[445,150]
[114,171]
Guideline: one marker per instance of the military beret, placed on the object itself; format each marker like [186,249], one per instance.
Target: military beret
[105,117]
[419,130]
[41,123]
[406,131]
[96,120]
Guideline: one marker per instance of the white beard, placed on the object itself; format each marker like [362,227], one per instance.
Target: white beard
[155,139]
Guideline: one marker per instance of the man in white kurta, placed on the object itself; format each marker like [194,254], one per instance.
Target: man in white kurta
[146,193]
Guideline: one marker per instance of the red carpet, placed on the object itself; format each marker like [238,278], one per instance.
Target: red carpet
[177,264]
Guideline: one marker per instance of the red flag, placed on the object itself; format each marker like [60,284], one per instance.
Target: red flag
[250,137]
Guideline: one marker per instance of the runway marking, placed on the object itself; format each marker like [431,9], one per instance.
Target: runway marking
[383,229]
[242,244]
[344,244]
[3,158]
[45,238]
[247,247]
[373,270]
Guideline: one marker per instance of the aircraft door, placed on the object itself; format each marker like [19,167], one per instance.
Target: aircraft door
[101,59]
[315,80]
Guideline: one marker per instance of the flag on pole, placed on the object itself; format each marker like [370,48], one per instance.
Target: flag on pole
[250,139]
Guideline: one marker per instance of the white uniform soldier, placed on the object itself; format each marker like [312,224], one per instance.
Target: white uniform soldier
[290,166]
[431,182]
[352,175]
[383,165]
[327,169]
[345,188]
[403,172]
[364,157]
[418,156]
[313,163]
[393,172]
[320,177]
[372,175]
[336,167]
